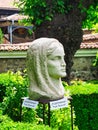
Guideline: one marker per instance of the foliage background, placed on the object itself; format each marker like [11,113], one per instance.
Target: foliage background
[84,95]
[61,19]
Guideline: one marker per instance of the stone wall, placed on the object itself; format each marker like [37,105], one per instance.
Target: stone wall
[82,68]
[13,64]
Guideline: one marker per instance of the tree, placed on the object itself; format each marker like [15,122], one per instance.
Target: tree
[61,19]
[91,20]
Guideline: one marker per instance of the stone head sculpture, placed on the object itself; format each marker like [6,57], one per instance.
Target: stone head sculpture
[45,67]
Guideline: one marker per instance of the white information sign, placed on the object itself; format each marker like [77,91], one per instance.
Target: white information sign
[59,104]
[29,103]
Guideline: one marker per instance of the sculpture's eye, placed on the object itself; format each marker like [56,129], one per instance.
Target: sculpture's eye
[55,58]
[58,58]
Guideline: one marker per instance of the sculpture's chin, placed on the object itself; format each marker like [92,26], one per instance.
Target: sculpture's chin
[63,75]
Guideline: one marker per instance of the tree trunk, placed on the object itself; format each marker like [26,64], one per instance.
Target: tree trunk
[67,29]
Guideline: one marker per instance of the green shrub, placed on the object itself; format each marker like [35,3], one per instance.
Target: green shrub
[13,86]
[8,124]
[85,103]
[61,119]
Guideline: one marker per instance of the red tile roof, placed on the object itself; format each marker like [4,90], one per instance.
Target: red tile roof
[89,41]
[91,37]
[16,47]
[89,45]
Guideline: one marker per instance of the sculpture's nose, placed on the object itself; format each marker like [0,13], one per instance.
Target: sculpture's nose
[63,63]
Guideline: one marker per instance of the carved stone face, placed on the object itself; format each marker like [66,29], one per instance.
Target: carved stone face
[56,64]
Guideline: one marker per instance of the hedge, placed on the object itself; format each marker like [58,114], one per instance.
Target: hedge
[85,104]
[7,124]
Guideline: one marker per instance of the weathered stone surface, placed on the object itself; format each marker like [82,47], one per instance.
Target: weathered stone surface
[83,69]
[45,67]
[13,64]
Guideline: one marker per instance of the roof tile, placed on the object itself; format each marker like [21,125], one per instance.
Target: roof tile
[88,42]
